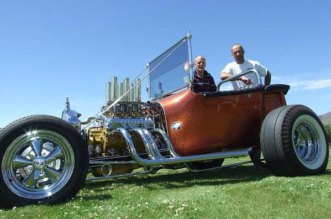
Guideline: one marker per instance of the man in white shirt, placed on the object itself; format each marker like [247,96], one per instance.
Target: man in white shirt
[241,65]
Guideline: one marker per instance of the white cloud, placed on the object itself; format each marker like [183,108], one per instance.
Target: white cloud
[311,84]
[304,80]
[307,84]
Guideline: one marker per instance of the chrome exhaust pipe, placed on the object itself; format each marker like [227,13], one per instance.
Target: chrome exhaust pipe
[157,159]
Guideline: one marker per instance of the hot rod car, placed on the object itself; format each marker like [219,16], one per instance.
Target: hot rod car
[45,159]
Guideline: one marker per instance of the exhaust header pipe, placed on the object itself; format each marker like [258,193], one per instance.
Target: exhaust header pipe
[157,159]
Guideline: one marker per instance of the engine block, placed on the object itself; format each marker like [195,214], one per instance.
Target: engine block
[104,142]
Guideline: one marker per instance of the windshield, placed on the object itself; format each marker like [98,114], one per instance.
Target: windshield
[171,70]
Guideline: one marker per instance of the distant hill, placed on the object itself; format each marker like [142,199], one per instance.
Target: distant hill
[326,118]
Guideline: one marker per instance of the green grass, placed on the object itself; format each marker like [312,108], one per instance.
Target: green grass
[238,192]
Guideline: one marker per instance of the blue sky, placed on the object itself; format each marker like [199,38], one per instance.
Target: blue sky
[53,49]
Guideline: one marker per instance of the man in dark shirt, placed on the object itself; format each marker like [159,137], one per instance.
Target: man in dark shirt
[202,81]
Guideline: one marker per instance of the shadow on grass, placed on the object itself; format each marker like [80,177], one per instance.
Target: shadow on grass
[328,171]
[182,179]
[179,179]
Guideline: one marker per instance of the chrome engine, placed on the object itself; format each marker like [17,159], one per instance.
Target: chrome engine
[126,115]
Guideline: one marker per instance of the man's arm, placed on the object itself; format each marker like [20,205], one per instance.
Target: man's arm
[225,75]
[267,79]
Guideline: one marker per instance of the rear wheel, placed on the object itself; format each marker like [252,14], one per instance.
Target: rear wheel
[293,141]
[43,160]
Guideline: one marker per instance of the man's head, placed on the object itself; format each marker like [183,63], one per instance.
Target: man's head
[238,53]
[200,64]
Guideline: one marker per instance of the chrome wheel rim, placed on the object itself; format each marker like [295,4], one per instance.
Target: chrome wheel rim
[38,164]
[309,141]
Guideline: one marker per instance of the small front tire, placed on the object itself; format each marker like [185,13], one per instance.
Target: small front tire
[43,160]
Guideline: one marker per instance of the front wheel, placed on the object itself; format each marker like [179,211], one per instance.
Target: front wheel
[293,141]
[43,160]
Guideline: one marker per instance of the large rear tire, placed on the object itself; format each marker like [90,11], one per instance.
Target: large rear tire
[293,142]
[43,160]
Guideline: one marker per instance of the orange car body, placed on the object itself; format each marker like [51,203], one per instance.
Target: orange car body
[204,123]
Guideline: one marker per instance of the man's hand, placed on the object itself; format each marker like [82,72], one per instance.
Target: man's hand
[245,80]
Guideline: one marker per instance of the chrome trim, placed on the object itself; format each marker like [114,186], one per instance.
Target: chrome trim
[152,143]
[149,143]
[168,142]
[102,163]
[152,170]
[220,167]
[176,125]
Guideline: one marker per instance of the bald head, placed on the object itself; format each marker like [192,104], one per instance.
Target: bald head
[200,64]
[238,53]
[200,57]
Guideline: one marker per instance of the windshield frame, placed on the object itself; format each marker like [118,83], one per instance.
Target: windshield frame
[171,70]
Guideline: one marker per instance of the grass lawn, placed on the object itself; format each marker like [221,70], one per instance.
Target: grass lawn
[237,192]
